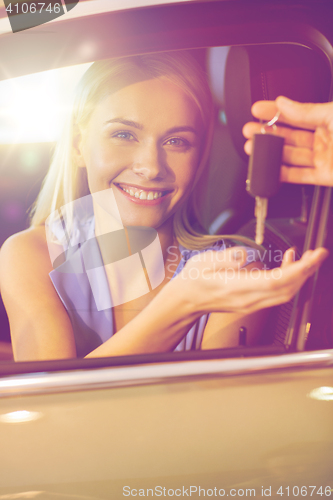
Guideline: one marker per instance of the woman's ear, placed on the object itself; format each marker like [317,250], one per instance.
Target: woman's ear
[77,147]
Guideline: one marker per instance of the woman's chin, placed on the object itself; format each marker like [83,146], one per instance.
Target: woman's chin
[152,222]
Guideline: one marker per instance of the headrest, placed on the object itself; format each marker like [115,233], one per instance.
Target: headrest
[260,72]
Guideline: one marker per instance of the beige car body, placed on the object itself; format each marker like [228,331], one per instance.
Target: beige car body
[242,424]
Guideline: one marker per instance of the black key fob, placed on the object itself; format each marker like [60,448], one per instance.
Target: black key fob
[263,177]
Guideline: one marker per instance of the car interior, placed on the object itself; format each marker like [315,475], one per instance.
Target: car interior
[298,216]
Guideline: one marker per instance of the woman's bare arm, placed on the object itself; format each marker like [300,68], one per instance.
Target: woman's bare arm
[39,324]
[237,297]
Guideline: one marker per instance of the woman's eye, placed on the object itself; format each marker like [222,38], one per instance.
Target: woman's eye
[177,141]
[124,135]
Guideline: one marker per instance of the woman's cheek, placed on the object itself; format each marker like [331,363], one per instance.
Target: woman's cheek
[109,165]
[185,162]
[188,171]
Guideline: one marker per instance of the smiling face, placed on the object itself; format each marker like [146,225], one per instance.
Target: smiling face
[144,142]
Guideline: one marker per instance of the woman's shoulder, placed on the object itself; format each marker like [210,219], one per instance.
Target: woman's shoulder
[30,239]
[24,251]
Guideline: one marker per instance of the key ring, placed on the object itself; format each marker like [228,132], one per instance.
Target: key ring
[271,123]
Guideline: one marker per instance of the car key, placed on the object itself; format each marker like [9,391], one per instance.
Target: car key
[263,178]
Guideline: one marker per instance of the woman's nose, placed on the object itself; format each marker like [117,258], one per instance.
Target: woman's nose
[150,162]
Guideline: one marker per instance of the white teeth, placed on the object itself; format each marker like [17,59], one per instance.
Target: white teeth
[143,195]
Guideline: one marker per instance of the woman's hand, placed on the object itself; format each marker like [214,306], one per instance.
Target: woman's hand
[216,281]
[307,154]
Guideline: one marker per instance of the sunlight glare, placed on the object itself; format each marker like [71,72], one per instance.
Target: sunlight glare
[20,416]
[33,107]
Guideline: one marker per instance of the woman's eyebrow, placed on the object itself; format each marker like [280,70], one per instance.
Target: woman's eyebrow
[123,121]
[130,123]
[186,128]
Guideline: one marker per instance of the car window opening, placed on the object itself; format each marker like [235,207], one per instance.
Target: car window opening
[234,74]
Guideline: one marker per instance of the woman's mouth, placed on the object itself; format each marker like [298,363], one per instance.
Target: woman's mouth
[142,196]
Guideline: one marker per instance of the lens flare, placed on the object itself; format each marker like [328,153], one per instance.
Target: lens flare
[33,107]
[20,416]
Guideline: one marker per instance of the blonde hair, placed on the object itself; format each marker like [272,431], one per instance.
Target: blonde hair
[65,181]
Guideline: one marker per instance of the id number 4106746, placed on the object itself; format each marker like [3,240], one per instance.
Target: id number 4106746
[24,8]
[304,491]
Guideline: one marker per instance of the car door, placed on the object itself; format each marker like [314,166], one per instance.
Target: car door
[259,426]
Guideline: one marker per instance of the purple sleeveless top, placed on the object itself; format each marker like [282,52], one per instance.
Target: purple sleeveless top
[78,291]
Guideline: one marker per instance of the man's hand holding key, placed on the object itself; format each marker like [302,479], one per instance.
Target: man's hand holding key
[307,152]
[308,149]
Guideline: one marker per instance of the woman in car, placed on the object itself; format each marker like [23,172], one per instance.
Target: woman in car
[132,155]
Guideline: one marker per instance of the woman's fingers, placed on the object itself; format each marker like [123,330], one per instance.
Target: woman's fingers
[294,274]
[281,284]
[226,285]
[310,261]
[289,256]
